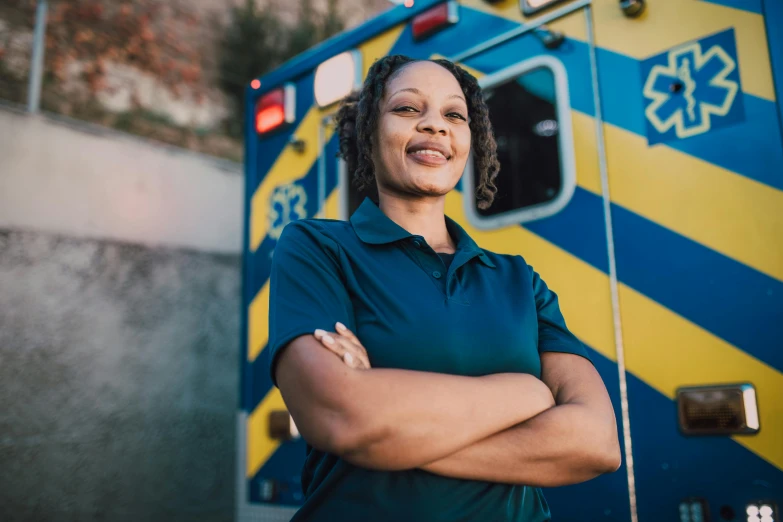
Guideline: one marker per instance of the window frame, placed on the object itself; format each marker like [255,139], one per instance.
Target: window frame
[565,145]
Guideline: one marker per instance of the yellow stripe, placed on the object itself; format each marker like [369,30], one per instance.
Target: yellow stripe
[260,446]
[291,165]
[588,175]
[726,212]
[258,323]
[729,213]
[662,349]
[667,351]
[656,31]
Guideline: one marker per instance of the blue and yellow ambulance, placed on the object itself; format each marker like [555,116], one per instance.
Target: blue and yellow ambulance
[641,174]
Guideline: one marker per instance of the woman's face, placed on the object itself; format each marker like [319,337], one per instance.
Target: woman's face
[422,141]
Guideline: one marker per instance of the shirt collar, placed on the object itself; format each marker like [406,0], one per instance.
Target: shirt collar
[375,228]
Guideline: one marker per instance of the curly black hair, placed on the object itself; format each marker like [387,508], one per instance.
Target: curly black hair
[357,120]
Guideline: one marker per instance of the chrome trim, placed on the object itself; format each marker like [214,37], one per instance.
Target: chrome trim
[289,102]
[618,330]
[522,29]
[343,185]
[321,189]
[453,16]
[751,406]
[530,11]
[358,68]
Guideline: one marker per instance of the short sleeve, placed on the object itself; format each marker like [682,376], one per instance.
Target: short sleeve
[306,289]
[553,334]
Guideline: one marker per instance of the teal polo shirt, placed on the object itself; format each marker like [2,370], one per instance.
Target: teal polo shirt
[484,313]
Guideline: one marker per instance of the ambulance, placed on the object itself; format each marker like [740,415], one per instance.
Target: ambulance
[641,175]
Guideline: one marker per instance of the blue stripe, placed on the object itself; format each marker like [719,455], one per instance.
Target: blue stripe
[579,229]
[731,300]
[752,6]
[670,467]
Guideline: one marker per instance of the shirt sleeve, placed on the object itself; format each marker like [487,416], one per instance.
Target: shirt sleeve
[306,288]
[553,334]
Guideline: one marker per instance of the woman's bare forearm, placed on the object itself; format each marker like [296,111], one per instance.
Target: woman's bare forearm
[572,442]
[403,419]
[564,445]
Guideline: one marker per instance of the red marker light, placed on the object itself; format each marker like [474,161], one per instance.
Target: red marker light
[435,19]
[274,109]
[408,3]
[256,84]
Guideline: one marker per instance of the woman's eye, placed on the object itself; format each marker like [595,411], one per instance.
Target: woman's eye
[456,115]
[405,108]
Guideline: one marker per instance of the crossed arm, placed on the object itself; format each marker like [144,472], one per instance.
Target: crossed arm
[555,431]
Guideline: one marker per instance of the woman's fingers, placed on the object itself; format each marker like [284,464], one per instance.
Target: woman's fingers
[343,330]
[352,354]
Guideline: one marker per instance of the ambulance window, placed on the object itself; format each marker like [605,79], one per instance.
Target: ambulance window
[530,113]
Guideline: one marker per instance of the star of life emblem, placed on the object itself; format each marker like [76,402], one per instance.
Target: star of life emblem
[286,204]
[692,89]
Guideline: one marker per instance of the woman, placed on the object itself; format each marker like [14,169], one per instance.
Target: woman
[432,380]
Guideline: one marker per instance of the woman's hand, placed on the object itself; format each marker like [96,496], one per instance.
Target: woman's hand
[345,345]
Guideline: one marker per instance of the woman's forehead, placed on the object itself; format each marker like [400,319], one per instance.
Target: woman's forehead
[426,78]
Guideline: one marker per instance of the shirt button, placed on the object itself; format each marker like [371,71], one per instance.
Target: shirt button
[417,244]
[436,274]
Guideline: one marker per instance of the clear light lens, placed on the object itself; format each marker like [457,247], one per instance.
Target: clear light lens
[337,77]
[753,518]
[752,510]
[765,511]
[767,519]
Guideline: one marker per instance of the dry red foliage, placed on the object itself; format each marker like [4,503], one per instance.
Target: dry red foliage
[155,36]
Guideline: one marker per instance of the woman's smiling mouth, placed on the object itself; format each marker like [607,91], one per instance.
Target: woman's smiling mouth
[428,154]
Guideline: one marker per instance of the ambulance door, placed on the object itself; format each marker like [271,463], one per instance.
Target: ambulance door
[695,166]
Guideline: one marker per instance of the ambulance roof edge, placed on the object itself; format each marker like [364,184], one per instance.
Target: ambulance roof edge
[311,58]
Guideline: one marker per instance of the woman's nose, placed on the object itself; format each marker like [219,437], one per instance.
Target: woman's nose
[433,124]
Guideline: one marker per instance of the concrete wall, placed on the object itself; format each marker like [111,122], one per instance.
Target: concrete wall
[61,176]
[118,347]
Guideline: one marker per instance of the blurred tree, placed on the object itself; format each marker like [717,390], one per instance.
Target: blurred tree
[333,22]
[256,42]
[252,44]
